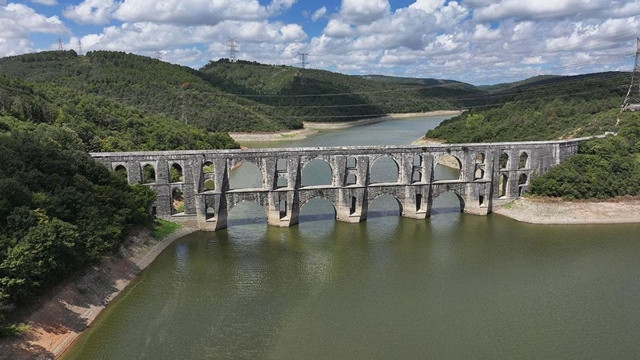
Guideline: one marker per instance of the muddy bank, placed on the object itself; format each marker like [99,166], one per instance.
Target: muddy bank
[65,311]
[554,211]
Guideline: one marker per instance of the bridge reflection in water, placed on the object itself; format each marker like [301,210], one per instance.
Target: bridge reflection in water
[490,174]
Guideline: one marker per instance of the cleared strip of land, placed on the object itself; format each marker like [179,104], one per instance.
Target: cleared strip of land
[553,211]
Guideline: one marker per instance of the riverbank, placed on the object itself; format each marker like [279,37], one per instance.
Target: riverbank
[549,211]
[311,128]
[66,310]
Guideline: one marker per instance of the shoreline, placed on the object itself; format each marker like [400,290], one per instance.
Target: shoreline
[312,128]
[547,211]
[64,312]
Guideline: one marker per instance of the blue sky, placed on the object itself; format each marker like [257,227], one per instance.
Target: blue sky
[476,41]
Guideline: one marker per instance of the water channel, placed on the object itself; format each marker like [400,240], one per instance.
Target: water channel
[454,286]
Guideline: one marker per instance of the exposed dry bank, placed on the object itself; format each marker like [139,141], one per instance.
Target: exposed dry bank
[537,210]
[69,308]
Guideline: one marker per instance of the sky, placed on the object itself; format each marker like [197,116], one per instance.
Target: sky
[475,41]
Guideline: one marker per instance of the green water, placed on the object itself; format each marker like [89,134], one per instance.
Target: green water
[454,286]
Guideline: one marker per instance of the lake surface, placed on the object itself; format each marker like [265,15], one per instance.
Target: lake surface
[454,286]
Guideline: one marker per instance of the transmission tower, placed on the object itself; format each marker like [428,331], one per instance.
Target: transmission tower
[60,44]
[303,59]
[79,47]
[632,100]
[232,43]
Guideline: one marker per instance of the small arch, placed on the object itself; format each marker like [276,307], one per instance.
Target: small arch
[317,172]
[282,207]
[208,176]
[522,183]
[177,201]
[176,175]
[448,167]
[416,177]
[148,174]
[210,213]
[479,174]
[503,162]
[246,176]
[480,157]
[503,185]
[385,169]
[121,172]
[416,171]
[523,162]
[354,205]
[352,179]
[352,163]
[281,165]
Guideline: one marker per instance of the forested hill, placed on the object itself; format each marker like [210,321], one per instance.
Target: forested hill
[225,96]
[311,95]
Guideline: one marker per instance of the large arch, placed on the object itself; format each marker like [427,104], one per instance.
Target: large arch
[445,202]
[246,212]
[246,176]
[317,172]
[448,167]
[383,204]
[148,174]
[121,171]
[523,161]
[316,208]
[384,169]
[175,173]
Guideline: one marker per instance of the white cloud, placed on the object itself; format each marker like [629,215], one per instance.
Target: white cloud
[44,2]
[319,13]
[190,12]
[428,6]
[364,11]
[18,21]
[484,33]
[528,9]
[91,11]
[338,29]
[277,6]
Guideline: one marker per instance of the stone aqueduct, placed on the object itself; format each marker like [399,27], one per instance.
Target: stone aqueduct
[490,174]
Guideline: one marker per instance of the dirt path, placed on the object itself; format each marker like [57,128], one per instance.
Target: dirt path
[553,211]
[69,308]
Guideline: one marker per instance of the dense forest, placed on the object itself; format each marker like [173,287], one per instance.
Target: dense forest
[229,96]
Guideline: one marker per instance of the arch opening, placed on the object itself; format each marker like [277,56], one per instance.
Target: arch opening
[352,163]
[148,174]
[416,170]
[317,208]
[317,172]
[523,162]
[503,185]
[208,176]
[448,167]
[479,174]
[245,176]
[503,162]
[522,183]
[175,173]
[384,205]
[384,170]
[282,182]
[447,202]
[480,157]
[352,179]
[246,212]
[177,201]
[121,172]
[282,207]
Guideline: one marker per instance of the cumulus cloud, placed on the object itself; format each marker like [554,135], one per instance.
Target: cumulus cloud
[91,12]
[17,21]
[190,12]
[538,9]
[364,11]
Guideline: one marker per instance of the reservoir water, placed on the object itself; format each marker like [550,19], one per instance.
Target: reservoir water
[454,286]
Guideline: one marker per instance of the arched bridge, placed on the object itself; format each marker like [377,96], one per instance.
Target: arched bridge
[490,174]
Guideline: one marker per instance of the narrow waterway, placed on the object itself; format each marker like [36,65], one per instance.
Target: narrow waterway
[454,286]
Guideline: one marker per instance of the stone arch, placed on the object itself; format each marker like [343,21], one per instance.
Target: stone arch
[317,172]
[503,185]
[416,168]
[438,196]
[523,161]
[241,212]
[522,183]
[148,174]
[372,200]
[247,175]
[177,201]
[121,171]
[479,174]
[352,162]
[352,179]
[503,161]
[448,167]
[176,174]
[282,182]
[208,176]
[480,158]
[316,213]
[384,169]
